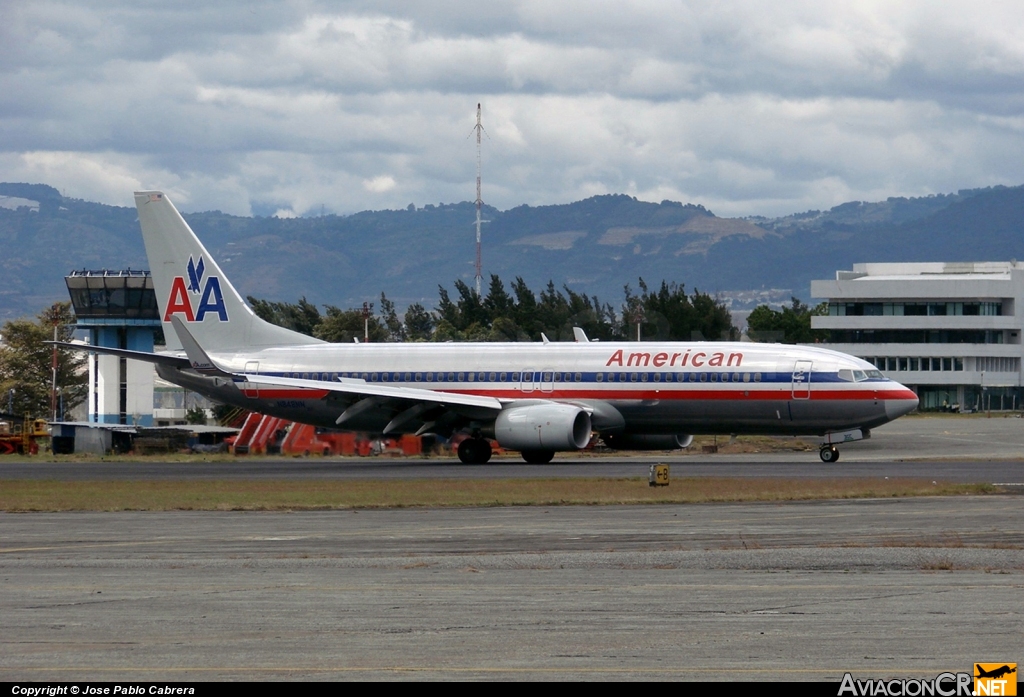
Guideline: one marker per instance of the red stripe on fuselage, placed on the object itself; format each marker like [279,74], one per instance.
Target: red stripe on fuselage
[631,394]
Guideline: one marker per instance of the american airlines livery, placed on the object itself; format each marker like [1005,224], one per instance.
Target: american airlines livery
[537,398]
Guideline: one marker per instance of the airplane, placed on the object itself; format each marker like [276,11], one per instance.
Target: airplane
[535,398]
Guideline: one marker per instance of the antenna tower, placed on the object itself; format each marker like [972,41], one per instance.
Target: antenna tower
[479,201]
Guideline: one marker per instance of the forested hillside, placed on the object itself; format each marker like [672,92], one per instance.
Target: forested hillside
[593,247]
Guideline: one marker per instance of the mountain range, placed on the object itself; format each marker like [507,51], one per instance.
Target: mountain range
[595,246]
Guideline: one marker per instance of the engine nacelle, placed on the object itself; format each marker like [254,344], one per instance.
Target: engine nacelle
[543,427]
[647,441]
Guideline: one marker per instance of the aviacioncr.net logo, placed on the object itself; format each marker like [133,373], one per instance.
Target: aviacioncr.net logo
[210,298]
[944,685]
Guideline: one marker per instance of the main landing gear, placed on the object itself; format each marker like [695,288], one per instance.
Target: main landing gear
[828,453]
[475,451]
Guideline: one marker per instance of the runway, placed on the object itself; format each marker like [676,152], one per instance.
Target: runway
[953,449]
[735,591]
[766,591]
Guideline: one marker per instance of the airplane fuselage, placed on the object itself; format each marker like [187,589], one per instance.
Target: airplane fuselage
[646,387]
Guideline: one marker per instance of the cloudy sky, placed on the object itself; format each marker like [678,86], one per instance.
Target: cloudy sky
[285,107]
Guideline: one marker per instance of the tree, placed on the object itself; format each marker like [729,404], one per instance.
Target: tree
[26,364]
[419,324]
[791,324]
[395,328]
[302,317]
[669,314]
[343,325]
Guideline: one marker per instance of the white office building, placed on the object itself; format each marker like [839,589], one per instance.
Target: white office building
[950,332]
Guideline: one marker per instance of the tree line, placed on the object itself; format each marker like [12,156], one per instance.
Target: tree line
[518,313]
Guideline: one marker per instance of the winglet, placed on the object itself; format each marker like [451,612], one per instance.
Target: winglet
[580,335]
[197,357]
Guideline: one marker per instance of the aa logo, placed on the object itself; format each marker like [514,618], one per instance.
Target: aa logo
[995,679]
[211,300]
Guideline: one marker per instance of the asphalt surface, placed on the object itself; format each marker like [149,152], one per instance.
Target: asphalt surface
[768,591]
[800,591]
[970,449]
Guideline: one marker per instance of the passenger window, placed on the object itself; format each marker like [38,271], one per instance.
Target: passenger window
[703,377]
[600,377]
[430,377]
[451,377]
[493,377]
[515,377]
[547,377]
[757,377]
[632,377]
[462,377]
[579,377]
[746,377]
[693,377]
[643,377]
[501,377]
[657,377]
[725,377]
[419,377]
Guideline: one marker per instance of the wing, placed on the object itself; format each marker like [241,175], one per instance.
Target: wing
[406,403]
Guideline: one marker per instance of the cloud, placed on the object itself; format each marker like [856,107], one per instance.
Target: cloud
[379,185]
[290,108]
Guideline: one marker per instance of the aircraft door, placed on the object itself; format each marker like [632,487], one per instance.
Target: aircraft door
[802,380]
[253,368]
[526,386]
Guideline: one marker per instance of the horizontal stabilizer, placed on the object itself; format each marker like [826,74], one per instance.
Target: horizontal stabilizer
[168,359]
[197,357]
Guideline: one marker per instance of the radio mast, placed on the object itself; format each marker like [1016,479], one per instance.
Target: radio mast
[479,201]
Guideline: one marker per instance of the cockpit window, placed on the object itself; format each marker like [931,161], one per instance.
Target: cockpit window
[859,375]
[846,374]
[875,374]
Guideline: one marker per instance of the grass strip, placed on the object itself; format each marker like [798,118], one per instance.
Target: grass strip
[248,495]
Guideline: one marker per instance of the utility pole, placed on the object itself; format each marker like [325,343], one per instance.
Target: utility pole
[53,385]
[367,311]
[479,128]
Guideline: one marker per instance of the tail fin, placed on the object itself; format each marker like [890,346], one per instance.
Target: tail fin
[191,286]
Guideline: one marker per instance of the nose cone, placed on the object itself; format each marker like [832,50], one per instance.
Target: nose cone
[899,401]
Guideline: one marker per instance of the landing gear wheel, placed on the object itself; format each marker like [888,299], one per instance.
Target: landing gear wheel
[538,457]
[483,451]
[474,451]
[829,454]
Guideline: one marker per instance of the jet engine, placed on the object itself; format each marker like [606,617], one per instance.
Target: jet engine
[647,441]
[543,427]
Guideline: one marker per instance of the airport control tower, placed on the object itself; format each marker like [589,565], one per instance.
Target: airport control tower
[119,310]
